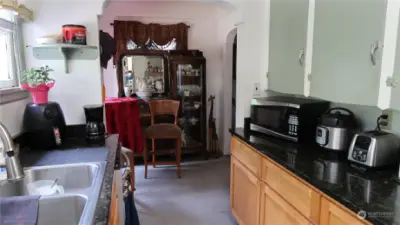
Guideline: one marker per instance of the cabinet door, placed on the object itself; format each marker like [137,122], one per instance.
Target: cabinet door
[344,35]
[287,39]
[274,210]
[332,214]
[245,194]
[395,95]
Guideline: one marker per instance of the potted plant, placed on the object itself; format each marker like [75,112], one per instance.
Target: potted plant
[38,82]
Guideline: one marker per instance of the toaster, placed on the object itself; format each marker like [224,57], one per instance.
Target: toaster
[374,149]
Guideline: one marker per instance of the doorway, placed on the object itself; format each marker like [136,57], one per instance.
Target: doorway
[234,53]
[229,88]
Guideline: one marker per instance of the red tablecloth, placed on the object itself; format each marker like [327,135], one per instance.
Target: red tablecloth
[122,117]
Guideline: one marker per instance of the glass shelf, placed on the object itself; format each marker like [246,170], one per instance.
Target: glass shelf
[190,92]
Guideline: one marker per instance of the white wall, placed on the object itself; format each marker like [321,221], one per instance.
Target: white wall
[206,33]
[11,115]
[83,84]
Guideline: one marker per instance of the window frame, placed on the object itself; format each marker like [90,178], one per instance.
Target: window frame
[14,29]
[10,90]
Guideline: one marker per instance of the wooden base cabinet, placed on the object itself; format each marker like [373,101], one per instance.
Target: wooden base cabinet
[264,193]
[275,210]
[331,214]
[245,191]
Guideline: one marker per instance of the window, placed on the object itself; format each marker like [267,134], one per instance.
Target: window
[10,53]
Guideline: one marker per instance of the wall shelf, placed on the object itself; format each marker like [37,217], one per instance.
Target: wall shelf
[65,52]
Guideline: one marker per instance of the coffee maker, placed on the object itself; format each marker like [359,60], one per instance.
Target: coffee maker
[95,129]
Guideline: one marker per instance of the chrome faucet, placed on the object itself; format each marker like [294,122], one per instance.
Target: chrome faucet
[8,156]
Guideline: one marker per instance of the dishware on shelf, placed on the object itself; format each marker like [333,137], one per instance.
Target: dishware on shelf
[143,94]
[197,105]
[193,120]
[158,84]
[182,121]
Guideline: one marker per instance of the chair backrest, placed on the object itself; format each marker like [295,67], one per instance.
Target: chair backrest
[164,107]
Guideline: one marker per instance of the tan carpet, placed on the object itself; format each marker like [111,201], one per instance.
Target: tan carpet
[201,197]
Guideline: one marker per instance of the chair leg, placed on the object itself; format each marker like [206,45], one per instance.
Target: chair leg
[178,156]
[145,158]
[153,151]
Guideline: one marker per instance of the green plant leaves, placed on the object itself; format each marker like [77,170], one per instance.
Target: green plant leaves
[36,76]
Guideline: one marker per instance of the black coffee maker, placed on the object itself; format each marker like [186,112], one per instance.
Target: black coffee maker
[95,129]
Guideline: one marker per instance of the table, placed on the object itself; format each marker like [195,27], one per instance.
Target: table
[123,118]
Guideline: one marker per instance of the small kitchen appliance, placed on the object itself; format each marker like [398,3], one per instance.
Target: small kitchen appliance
[374,149]
[44,125]
[291,118]
[336,128]
[95,129]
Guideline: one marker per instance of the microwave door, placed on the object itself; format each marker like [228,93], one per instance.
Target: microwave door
[266,116]
[273,120]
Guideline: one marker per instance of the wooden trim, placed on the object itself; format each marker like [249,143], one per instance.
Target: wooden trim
[113,217]
[315,207]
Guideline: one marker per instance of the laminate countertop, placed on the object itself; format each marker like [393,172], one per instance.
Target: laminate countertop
[76,150]
[377,193]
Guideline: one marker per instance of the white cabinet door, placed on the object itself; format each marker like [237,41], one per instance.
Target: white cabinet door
[288,37]
[344,32]
[395,95]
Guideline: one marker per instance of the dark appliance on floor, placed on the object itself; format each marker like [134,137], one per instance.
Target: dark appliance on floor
[44,125]
[95,129]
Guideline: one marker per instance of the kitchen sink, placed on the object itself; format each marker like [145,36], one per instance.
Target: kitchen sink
[71,176]
[62,210]
[81,182]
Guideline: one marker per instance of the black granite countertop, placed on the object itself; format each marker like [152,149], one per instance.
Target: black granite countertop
[76,150]
[375,192]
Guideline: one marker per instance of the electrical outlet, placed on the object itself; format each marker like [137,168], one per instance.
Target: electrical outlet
[257,89]
[386,124]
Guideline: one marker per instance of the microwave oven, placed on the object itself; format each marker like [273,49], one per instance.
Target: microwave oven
[288,117]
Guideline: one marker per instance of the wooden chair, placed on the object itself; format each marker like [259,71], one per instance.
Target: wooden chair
[163,131]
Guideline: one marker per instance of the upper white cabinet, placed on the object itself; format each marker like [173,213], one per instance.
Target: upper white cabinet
[287,45]
[395,91]
[348,41]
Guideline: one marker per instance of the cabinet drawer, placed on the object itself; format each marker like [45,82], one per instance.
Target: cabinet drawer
[274,210]
[246,156]
[299,195]
[331,214]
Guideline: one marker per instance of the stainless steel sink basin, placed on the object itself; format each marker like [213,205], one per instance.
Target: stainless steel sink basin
[81,182]
[63,210]
[71,176]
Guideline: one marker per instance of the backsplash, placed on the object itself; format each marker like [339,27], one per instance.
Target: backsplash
[367,115]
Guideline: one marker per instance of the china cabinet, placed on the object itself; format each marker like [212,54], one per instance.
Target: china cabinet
[178,75]
[188,79]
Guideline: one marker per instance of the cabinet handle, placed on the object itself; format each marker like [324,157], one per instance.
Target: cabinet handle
[374,48]
[301,57]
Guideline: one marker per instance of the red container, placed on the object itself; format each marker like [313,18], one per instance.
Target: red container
[40,93]
[74,34]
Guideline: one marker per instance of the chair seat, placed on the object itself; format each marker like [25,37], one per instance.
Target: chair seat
[161,130]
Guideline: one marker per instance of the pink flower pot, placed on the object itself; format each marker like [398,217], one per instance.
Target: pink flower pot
[40,93]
